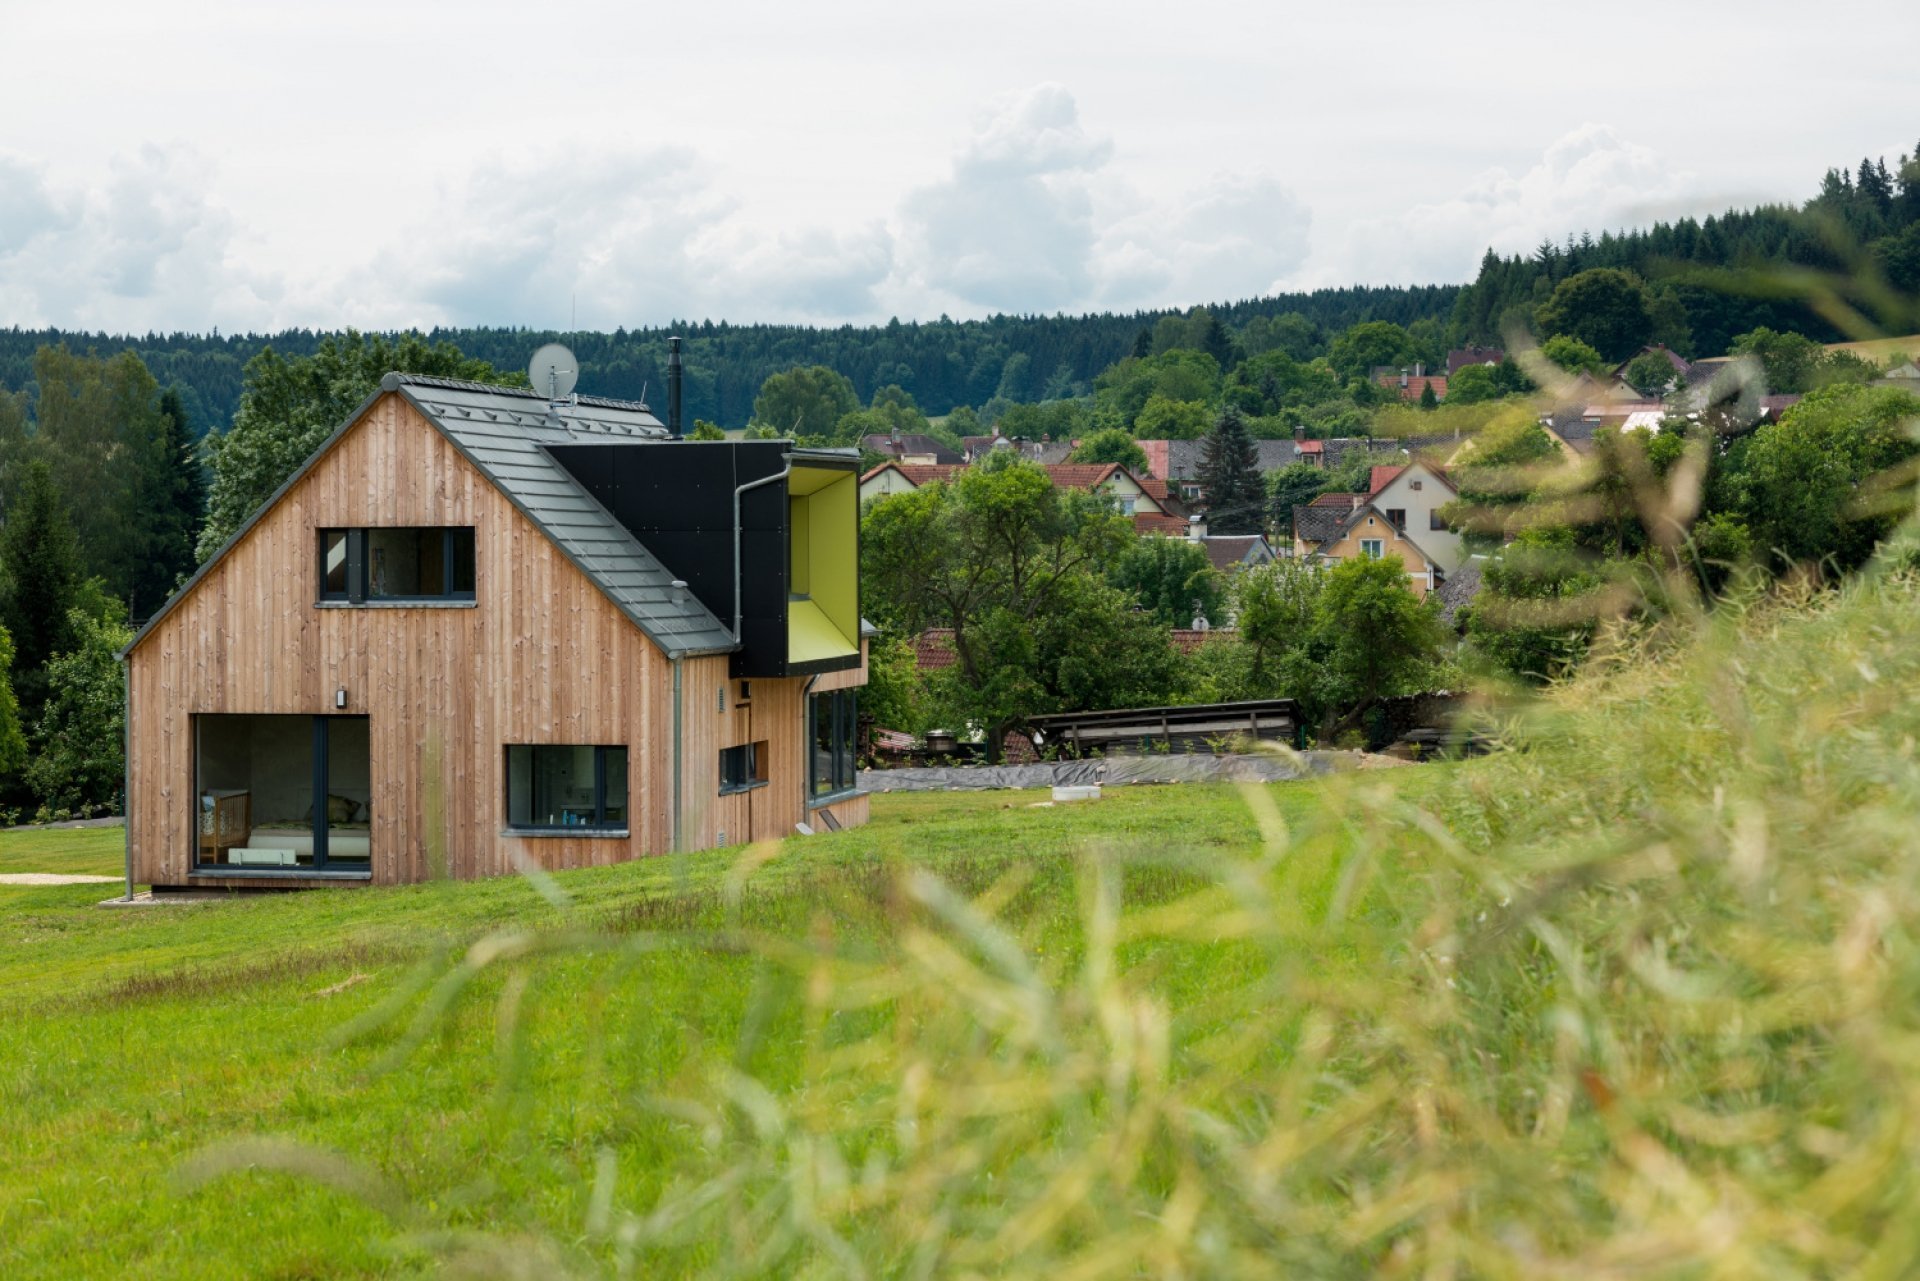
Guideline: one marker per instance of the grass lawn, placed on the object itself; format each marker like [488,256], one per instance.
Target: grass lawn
[136,1038]
[74,851]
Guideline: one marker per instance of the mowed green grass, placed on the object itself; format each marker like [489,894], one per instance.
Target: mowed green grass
[81,851]
[135,1039]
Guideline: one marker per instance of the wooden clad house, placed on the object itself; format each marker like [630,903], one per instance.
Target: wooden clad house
[479,630]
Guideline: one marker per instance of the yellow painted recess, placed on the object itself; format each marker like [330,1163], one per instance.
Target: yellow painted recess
[824,616]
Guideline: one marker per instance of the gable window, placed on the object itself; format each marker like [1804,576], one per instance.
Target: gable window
[399,564]
[1434,521]
[743,768]
[832,736]
[1397,517]
[1413,485]
[563,788]
[1372,548]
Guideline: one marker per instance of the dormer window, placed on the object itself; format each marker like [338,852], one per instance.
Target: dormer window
[397,565]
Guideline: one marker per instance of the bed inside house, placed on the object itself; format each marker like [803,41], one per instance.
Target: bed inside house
[261,799]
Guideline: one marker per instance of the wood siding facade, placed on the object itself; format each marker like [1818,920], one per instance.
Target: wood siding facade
[539,656]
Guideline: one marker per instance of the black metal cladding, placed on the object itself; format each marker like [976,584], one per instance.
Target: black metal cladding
[677,499]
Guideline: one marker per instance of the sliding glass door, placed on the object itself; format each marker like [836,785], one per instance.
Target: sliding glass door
[282,793]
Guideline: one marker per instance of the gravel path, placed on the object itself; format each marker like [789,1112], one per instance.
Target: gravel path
[54,878]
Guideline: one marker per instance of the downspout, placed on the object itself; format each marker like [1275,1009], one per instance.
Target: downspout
[806,745]
[782,474]
[677,797]
[126,766]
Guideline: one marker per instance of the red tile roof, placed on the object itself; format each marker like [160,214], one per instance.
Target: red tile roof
[1156,523]
[1338,500]
[1381,477]
[1153,487]
[917,474]
[1310,446]
[1156,452]
[933,649]
[1414,384]
[1186,639]
[1081,475]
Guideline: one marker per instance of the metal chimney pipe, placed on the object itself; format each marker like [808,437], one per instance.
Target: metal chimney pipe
[673,388]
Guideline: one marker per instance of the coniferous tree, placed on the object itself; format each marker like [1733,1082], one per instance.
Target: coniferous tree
[1230,474]
[169,494]
[39,582]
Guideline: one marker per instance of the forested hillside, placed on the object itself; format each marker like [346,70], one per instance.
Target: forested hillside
[1726,275]
[943,363]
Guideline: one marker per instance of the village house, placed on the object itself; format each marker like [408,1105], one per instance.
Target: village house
[483,629]
[1398,516]
[1144,498]
[909,447]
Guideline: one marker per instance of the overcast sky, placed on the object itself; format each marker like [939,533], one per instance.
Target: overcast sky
[254,166]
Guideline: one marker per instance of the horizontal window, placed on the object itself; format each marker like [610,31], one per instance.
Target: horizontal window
[742,767]
[424,563]
[1372,547]
[558,788]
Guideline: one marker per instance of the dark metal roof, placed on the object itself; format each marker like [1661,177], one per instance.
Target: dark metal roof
[505,436]
[1318,524]
[504,431]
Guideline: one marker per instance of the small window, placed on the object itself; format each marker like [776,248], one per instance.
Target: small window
[835,726]
[561,788]
[1434,521]
[1397,517]
[1413,485]
[743,767]
[1372,548]
[425,564]
[333,564]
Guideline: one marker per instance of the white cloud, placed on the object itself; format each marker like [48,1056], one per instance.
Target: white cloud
[1034,218]
[631,238]
[1012,227]
[142,249]
[1589,179]
[1236,237]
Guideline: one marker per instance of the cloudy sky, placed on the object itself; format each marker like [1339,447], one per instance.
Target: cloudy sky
[254,166]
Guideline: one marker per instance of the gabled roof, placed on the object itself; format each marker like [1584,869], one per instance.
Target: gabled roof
[503,432]
[1381,475]
[1460,357]
[917,474]
[913,443]
[1225,551]
[1318,523]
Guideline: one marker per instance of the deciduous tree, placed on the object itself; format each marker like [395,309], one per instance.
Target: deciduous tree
[290,406]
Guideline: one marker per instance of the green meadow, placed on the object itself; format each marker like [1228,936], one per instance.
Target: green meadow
[1633,995]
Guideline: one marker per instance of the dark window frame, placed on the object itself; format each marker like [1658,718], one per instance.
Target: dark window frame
[743,767]
[321,820]
[600,823]
[1397,517]
[358,589]
[843,709]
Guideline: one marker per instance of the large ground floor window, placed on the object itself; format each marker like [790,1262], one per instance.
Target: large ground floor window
[283,792]
[563,788]
[833,732]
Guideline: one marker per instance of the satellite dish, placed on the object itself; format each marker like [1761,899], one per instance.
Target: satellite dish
[554,371]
